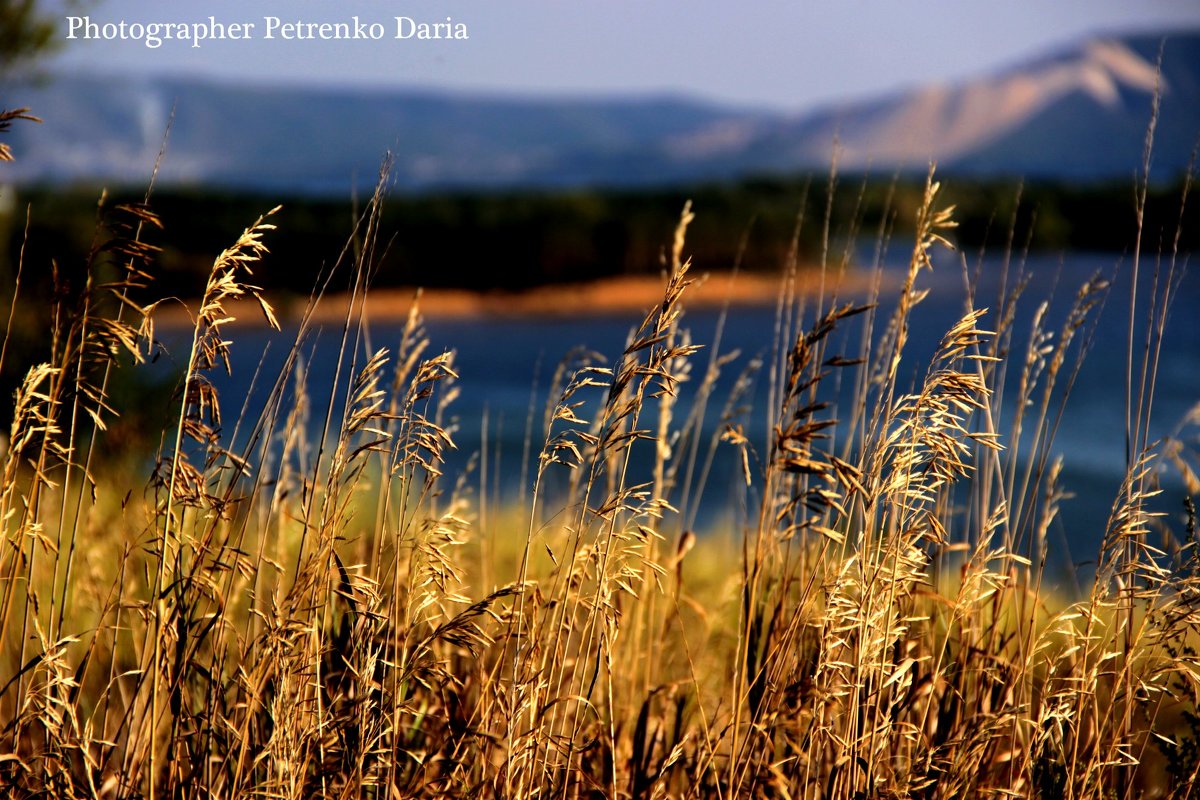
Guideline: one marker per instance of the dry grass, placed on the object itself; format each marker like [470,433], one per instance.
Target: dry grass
[320,612]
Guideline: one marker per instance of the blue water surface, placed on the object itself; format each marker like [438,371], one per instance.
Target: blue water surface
[505,365]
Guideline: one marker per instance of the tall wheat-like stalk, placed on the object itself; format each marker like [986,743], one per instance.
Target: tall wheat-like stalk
[307,603]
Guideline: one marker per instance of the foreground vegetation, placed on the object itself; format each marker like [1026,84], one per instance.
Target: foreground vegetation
[279,613]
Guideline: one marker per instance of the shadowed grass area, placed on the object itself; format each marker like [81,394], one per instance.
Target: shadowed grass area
[300,606]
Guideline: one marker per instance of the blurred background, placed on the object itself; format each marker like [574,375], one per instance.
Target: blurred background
[558,142]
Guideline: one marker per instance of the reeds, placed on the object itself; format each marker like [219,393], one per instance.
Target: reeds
[297,609]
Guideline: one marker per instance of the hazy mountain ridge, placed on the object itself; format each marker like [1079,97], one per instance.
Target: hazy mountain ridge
[1081,113]
[1077,114]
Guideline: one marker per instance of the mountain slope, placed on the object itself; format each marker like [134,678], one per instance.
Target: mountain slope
[1077,114]
[1100,121]
[327,140]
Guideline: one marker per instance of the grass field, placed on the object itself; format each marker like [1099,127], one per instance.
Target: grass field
[327,615]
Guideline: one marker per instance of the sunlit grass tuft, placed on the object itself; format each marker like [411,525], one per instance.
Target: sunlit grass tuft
[296,607]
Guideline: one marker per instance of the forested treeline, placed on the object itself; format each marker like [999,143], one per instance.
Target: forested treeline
[520,239]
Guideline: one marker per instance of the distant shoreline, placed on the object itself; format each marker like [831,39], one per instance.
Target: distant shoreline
[633,295]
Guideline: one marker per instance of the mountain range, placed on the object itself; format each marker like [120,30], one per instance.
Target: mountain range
[1077,114]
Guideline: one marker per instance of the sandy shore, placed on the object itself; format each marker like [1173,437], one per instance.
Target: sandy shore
[632,295]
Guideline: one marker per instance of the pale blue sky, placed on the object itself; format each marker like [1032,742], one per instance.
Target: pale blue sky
[788,54]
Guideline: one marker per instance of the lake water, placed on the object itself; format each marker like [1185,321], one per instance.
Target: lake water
[504,363]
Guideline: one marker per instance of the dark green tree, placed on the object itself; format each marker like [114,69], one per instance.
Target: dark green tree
[29,30]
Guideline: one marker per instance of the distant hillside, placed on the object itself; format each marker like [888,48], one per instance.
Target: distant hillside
[1077,114]
[325,140]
